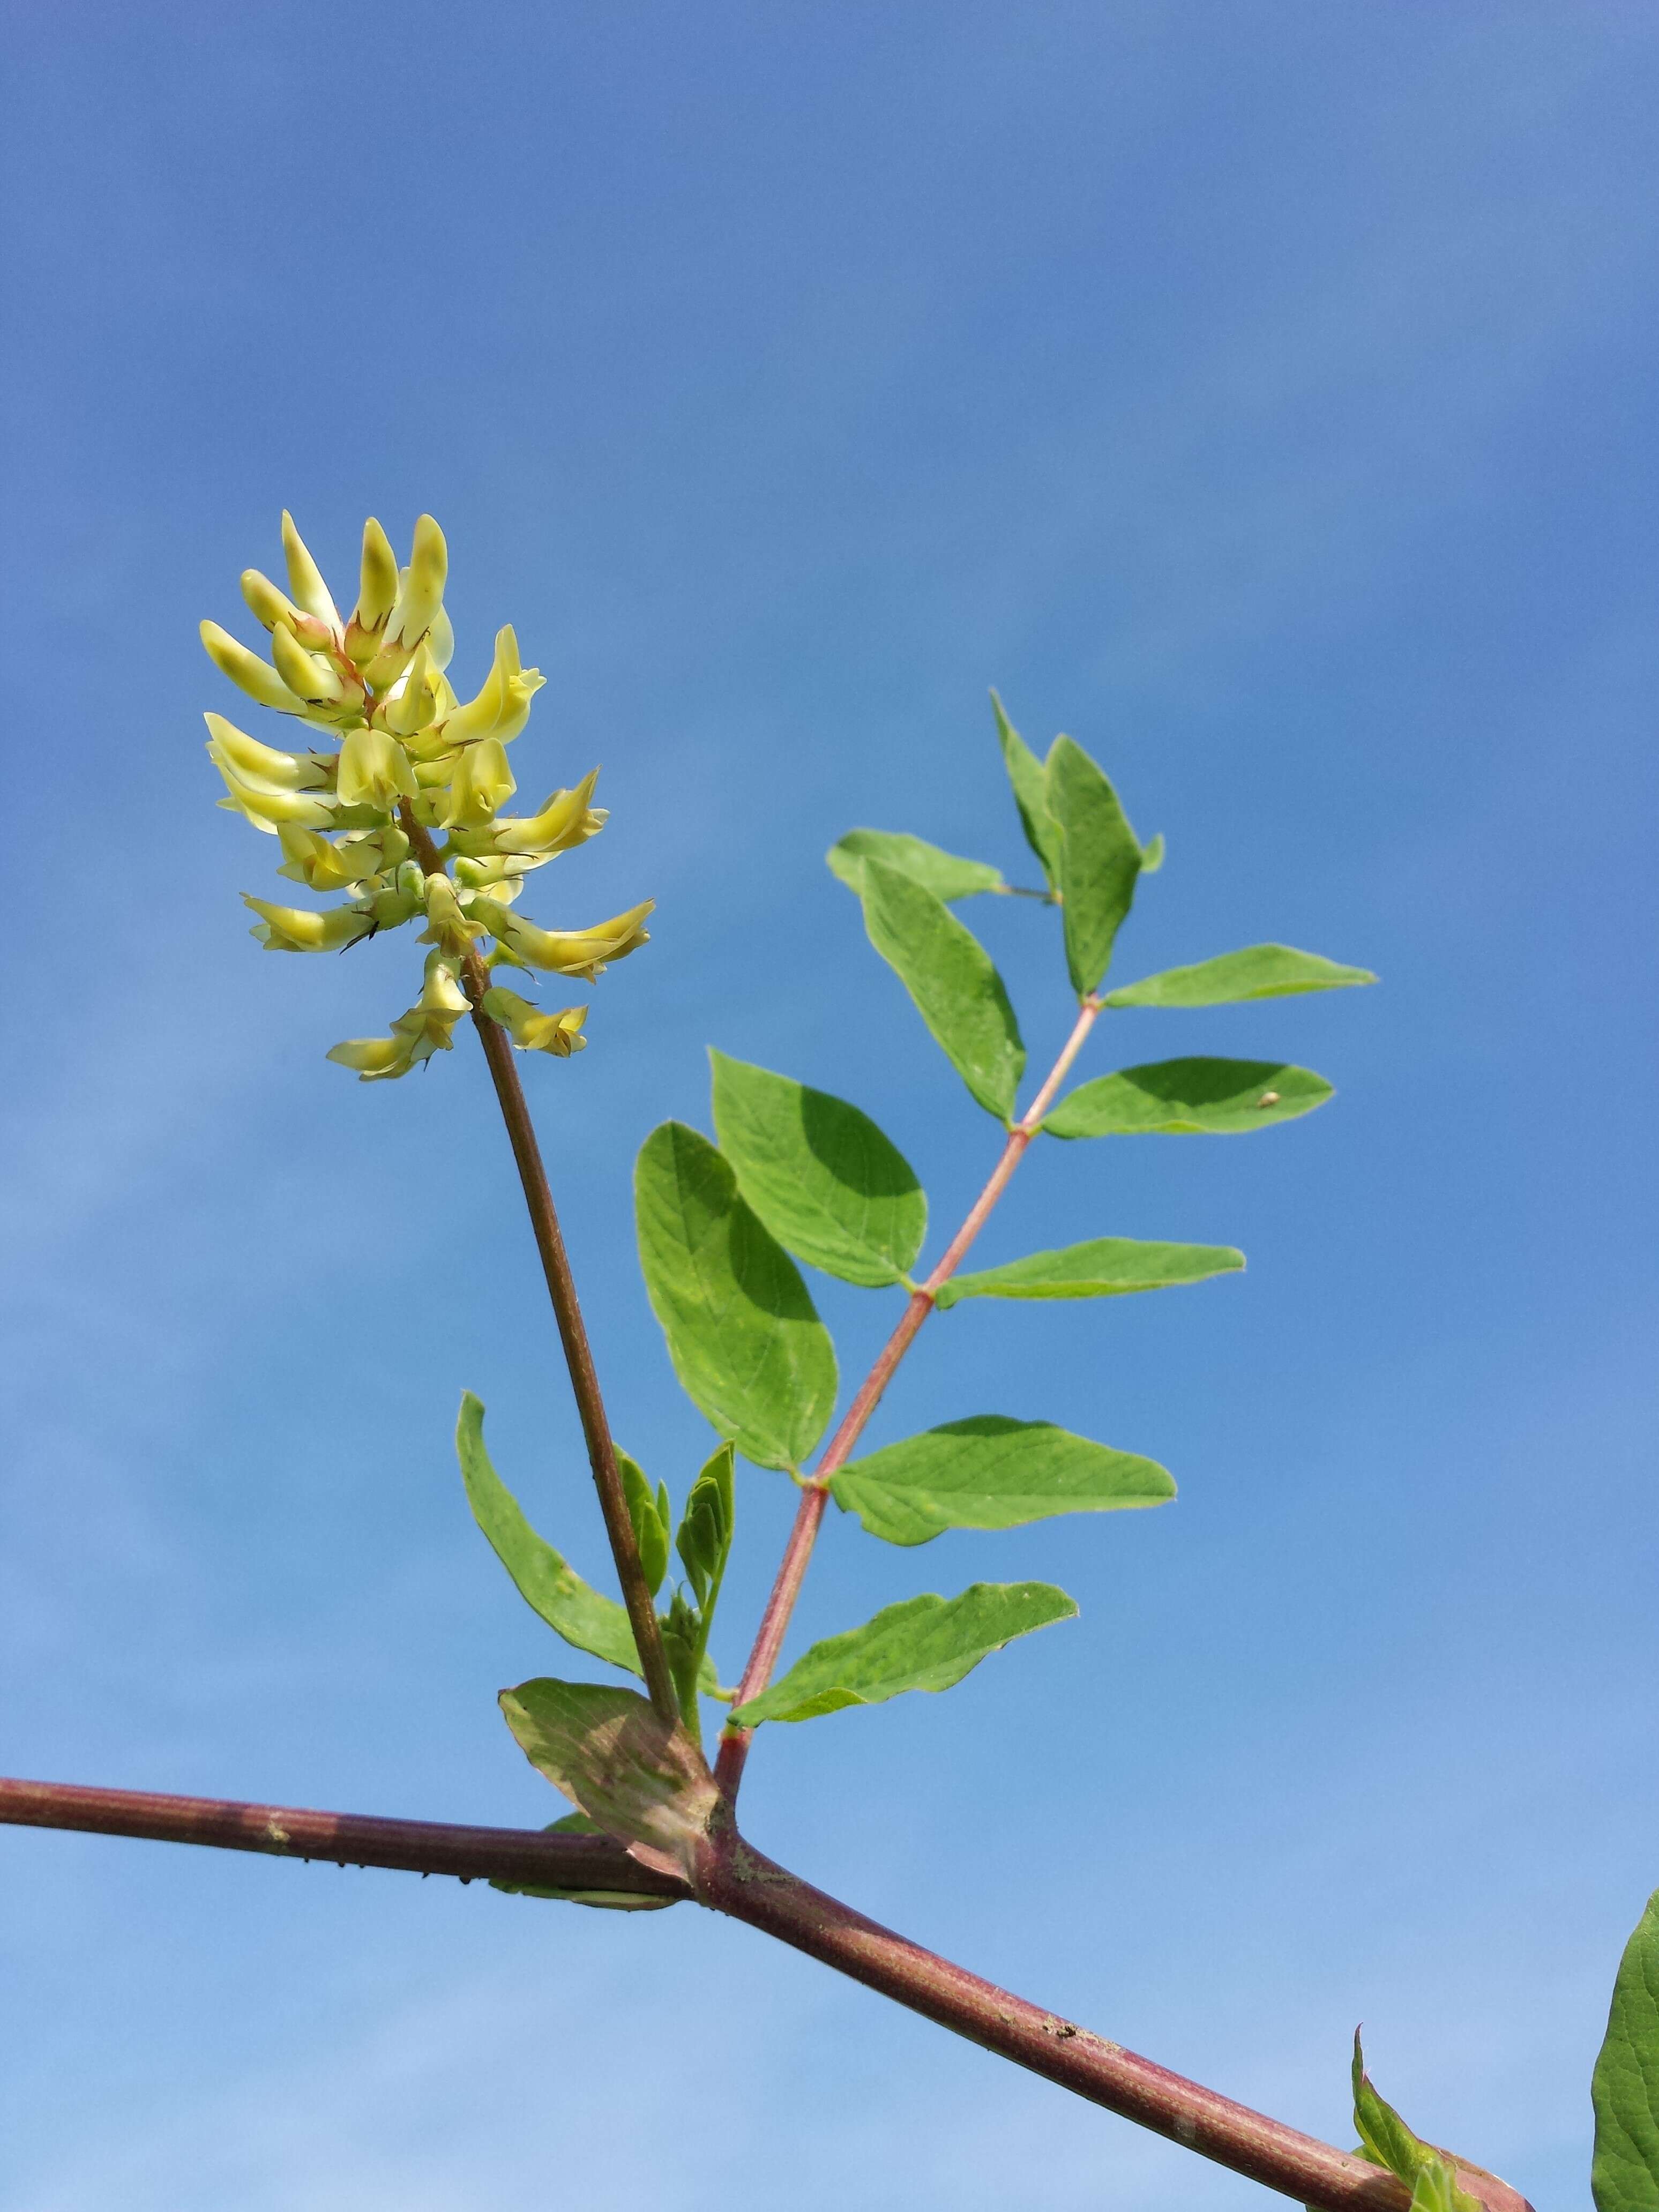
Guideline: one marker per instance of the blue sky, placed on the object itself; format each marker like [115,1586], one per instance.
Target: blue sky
[1263,394]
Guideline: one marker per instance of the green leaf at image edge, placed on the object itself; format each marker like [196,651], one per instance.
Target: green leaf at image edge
[1025,779]
[821,1175]
[1260,971]
[744,1335]
[1625,2088]
[950,977]
[1100,860]
[1188,1097]
[1105,1267]
[991,1472]
[945,874]
[922,1643]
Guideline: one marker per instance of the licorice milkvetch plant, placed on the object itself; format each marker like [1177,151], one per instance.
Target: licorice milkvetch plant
[399,811]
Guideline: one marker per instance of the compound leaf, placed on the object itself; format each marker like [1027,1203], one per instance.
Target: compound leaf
[991,1472]
[945,874]
[1625,2088]
[922,1643]
[821,1175]
[949,974]
[747,1343]
[1100,860]
[1025,776]
[1260,971]
[545,1582]
[1107,1267]
[1188,1097]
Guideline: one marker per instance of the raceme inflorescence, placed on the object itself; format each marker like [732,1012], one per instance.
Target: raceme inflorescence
[407,763]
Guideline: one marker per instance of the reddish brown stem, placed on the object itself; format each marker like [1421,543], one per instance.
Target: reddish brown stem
[737,1881]
[566,1311]
[291,1831]
[808,1514]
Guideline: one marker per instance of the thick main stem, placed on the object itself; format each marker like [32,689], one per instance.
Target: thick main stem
[738,1882]
[808,1514]
[566,1311]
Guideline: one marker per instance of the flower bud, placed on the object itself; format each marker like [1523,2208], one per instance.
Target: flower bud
[257,679]
[374,770]
[270,606]
[421,587]
[263,767]
[313,678]
[377,578]
[304,578]
[530,1030]
[267,810]
[296,929]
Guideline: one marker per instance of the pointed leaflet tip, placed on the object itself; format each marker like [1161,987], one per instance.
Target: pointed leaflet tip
[991,1472]
[1025,776]
[945,874]
[1100,860]
[951,979]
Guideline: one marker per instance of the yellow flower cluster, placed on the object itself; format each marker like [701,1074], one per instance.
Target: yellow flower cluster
[413,764]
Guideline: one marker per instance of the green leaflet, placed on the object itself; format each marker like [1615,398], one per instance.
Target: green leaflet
[949,974]
[607,1750]
[991,1472]
[821,1175]
[1625,2088]
[923,1643]
[1188,1097]
[1386,2140]
[749,1350]
[545,1583]
[1100,859]
[945,874]
[1025,775]
[1261,972]
[1106,1267]
[603,1900]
